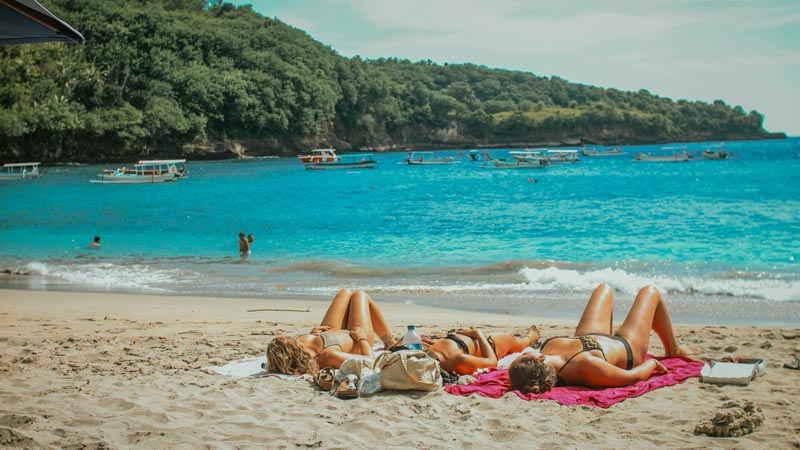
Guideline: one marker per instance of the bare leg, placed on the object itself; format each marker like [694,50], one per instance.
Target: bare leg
[336,315]
[505,343]
[598,317]
[379,324]
[649,312]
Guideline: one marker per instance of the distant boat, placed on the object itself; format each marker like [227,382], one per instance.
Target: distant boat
[602,153]
[20,171]
[667,154]
[719,154]
[559,156]
[327,159]
[519,160]
[149,172]
[180,165]
[426,158]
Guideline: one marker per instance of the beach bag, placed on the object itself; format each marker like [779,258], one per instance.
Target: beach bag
[408,370]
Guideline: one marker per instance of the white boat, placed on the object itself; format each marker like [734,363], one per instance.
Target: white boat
[719,154]
[667,154]
[180,165]
[559,156]
[152,172]
[426,158]
[519,160]
[593,152]
[327,159]
[20,171]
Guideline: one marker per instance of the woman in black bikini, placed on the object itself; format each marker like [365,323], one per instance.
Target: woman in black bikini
[595,357]
[466,351]
[348,329]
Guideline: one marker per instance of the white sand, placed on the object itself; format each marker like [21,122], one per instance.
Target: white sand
[90,370]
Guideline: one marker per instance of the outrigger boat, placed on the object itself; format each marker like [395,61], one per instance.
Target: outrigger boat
[20,171]
[602,153]
[562,156]
[719,154]
[669,154]
[327,159]
[426,158]
[518,160]
[150,172]
[180,165]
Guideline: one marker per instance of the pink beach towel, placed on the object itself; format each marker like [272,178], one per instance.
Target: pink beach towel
[495,384]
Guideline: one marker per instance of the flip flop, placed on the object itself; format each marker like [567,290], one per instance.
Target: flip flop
[793,365]
[348,387]
[325,378]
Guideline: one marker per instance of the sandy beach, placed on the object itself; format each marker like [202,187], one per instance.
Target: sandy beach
[95,370]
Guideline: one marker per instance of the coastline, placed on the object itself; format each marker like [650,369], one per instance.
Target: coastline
[124,372]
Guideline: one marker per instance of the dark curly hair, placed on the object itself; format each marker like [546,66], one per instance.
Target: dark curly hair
[531,375]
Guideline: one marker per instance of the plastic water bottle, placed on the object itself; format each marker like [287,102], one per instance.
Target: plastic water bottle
[369,384]
[412,339]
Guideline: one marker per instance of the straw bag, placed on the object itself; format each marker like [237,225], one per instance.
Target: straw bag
[408,370]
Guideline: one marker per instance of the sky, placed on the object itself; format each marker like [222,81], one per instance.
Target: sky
[744,52]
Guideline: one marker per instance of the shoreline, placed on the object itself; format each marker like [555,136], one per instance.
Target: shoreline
[124,372]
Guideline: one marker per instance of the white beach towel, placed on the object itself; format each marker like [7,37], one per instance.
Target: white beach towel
[249,367]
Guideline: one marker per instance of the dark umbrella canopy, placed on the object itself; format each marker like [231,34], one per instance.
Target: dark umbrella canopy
[28,22]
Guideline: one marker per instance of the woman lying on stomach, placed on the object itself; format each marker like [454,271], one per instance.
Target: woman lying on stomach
[595,357]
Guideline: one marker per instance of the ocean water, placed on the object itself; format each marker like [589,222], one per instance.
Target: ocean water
[719,238]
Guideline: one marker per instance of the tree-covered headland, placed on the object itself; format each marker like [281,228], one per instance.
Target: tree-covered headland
[199,79]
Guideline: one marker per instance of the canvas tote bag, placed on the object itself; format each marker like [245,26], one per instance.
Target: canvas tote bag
[408,370]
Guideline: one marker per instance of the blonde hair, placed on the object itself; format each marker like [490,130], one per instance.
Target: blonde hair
[286,356]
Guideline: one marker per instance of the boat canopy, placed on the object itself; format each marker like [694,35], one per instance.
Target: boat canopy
[162,161]
[32,164]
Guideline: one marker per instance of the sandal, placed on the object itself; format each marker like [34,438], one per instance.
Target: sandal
[793,365]
[325,378]
[348,387]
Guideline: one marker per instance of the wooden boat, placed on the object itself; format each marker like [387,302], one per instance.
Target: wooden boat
[426,158]
[180,165]
[668,154]
[562,156]
[20,171]
[327,159]
[718,154]
[151,172]
[519,160]
[593,152]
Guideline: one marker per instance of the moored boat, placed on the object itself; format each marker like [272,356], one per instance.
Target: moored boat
[593,152]
[426,158]
[180,165]
[667,154]
[20,171]
[519,160]
[327,159]
[718,154]
[150,172]
[562,156]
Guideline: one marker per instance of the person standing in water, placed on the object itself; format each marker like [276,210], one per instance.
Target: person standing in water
[95,243]
[244,246]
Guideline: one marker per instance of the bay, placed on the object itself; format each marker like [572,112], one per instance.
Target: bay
[719,238]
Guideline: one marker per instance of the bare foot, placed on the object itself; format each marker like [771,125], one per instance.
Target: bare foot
[680,351]
[533,335]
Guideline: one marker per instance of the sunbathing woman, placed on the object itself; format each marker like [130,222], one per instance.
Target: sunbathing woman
[348,329]
[466,351]
[594,357]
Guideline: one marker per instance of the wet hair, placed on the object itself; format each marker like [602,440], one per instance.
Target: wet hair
[531,376]
[97,238]
[286,356]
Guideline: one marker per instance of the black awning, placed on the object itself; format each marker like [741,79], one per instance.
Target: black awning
[28,22]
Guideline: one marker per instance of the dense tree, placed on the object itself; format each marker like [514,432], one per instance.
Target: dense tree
[188,77]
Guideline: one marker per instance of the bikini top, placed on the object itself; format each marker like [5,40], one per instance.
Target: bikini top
[329,339]
[588,343]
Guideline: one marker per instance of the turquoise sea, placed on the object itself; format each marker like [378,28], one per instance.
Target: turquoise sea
[720,238]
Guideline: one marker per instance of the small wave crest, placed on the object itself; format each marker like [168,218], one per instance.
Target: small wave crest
[555,279]
[135,276]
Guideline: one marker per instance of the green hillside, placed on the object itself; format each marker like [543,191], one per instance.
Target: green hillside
[188,78]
